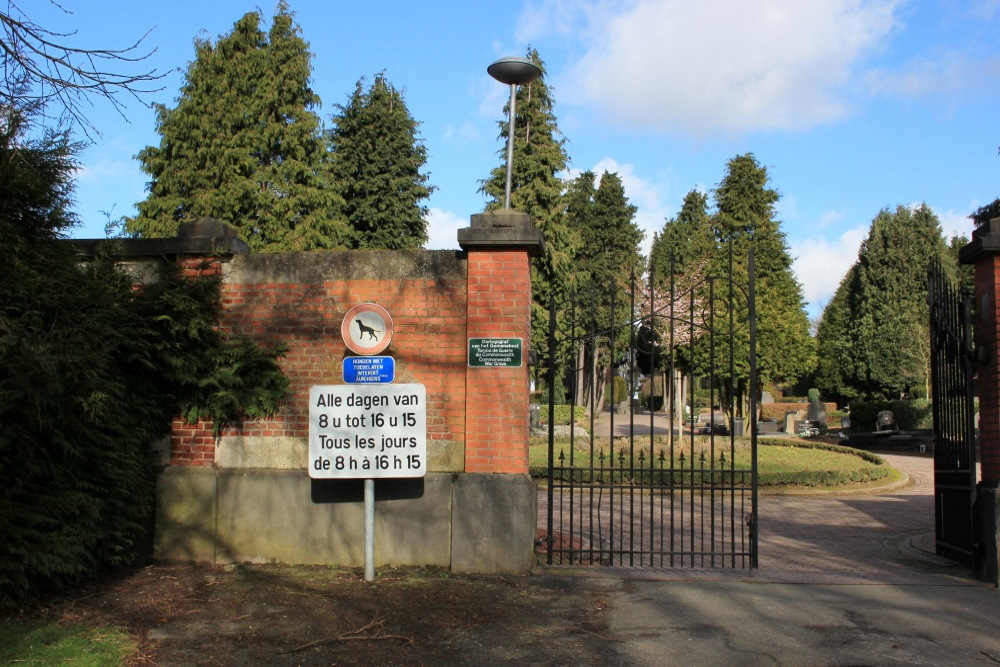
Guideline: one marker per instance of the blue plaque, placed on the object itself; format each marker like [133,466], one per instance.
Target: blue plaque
[369,370]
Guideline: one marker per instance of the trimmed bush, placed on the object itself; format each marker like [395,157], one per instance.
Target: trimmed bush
[910,415]
[776,411]
[561,414]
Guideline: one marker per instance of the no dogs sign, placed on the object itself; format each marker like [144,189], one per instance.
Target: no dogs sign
[367,329]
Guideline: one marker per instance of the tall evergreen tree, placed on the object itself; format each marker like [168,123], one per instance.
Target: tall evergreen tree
[536,189]
[833,341]
[607,258]
[745,217]
[685,240]
[965,273]
[377,158]
[886,350]
[244,145]
[678,257]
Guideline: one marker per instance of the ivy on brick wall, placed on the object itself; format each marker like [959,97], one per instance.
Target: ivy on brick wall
[224,379]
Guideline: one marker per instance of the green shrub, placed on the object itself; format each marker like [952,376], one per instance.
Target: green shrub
[813,395]
[914,414]
[776,411]
[863,414]
[910,414]
[619,387]
[562,414]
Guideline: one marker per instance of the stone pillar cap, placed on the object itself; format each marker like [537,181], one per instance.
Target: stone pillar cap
[985,243]
[503,228]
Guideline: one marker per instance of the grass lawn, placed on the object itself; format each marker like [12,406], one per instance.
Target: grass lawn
[780,462]
[54,642]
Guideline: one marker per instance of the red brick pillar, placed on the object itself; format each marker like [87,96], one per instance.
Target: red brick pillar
[987,332]
[984,254]
[499,245]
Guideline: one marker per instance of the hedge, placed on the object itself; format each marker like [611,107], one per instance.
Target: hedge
[776,411]
[562,414]
[879,469]
[910,414]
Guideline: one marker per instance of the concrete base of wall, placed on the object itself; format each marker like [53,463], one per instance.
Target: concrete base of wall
[465,522]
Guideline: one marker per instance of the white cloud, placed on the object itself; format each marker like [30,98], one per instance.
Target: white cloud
[947,75]
[820,265]
[717,65]
[956,223]
[107,168]
[462,134]
[442,229]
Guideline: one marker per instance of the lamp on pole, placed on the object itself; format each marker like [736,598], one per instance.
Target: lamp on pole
[513,72]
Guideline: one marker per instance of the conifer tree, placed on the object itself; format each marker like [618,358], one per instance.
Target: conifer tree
[745,216]
[536,189]
[885,349]
[833,341]
[686,240]
[607,258]
[244,145]
[677,258]
[377,158]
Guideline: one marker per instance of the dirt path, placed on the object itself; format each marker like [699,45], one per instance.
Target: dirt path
[273,615]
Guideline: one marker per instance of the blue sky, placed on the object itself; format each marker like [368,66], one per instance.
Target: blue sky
[852,105]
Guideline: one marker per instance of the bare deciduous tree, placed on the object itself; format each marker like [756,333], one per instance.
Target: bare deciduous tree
[42,68]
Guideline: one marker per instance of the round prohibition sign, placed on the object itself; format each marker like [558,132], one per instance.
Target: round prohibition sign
[367,329]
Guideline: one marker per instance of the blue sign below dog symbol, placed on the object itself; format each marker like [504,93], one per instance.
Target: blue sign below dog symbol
[367,329]
[369,370]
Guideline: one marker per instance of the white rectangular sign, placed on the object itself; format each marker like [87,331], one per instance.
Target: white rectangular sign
[367,431]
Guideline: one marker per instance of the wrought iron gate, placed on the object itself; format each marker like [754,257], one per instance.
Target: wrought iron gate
[661,494]
[952,393]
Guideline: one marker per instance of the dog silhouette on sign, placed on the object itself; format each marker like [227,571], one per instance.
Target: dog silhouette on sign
[365,329]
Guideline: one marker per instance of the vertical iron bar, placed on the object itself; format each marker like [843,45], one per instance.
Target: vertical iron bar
[552,417]
[692,439]
[752,316]
[711,408]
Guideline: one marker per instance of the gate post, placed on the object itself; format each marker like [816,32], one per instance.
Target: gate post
[983,252]
[495,505]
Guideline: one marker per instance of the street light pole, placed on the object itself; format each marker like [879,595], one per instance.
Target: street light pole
[513,72]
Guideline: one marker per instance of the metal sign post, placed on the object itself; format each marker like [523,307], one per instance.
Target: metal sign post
[369,529]
[368,428]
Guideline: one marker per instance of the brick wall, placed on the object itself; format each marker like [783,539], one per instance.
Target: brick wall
[300,299]
[437,300]
[497,398]
[987,334]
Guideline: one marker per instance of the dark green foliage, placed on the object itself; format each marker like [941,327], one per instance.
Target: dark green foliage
[833,341]
[910,415]
[607,258]
[377,158]
[984,214]
[91,374]
[687,240]
[244,145]
[536,189]
[864,412]
[745,215]
[563,413]
[211,377]
[964,273]
[874,333]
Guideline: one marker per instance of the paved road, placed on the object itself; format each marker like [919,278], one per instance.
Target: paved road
[843,579]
